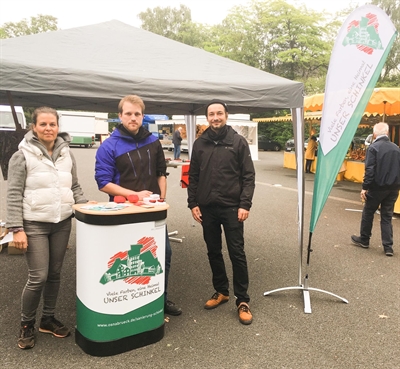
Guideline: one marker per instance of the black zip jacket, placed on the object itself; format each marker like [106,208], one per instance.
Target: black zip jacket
[382,166]
[221,173]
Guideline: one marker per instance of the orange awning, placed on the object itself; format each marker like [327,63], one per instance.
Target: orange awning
[383,101]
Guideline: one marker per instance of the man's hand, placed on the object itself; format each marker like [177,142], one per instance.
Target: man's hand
[142,194]
[196,213]
[243,214]
[363,195]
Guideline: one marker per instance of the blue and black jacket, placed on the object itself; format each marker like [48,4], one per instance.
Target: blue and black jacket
[133,162]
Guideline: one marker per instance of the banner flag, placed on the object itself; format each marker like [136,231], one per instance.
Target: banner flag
[358,56]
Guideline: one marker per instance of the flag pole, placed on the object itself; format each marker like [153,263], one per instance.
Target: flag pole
[298,129]
[360,51]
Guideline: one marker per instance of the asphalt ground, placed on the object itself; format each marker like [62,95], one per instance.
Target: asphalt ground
[361,334]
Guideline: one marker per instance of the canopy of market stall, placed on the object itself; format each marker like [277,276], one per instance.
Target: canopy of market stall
[384,101]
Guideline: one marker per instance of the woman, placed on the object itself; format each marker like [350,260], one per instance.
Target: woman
[310,152]
[42,187]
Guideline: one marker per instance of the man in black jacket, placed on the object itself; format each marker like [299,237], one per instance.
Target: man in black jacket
[220,192]
[380,187]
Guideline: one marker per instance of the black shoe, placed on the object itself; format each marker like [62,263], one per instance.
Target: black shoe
[388,251]
[171,309]
[51,325]
[359,242]
[26,338]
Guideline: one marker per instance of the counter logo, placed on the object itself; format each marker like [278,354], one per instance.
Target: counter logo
[364,34]
[134,266]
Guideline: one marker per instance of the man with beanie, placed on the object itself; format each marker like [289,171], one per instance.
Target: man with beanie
[220,192]
[380,188]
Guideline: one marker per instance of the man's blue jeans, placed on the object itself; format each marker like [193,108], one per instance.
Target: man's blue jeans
[177,151]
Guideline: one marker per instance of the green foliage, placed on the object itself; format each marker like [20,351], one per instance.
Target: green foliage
[390,76]
[275,37]
[279,132]
[175,24]
[38,24]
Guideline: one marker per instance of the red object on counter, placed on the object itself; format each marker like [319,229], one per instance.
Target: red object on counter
[119,199]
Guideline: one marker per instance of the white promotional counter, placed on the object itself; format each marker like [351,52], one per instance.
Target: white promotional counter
[120,262]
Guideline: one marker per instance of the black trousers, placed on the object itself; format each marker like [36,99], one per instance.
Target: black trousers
[386,199]
[213,218]
[308,165]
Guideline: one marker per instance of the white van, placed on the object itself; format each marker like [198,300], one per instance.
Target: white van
[7,120]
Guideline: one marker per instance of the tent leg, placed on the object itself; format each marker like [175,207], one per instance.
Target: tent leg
[174,239]
[306,294]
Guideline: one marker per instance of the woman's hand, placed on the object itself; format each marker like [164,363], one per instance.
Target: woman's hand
[20,240]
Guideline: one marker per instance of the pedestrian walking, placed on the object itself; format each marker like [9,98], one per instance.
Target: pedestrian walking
[380,188]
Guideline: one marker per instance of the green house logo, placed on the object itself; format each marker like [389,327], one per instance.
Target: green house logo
[364,34]
[134,266]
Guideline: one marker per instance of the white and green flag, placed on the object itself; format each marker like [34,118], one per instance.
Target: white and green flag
[358,56]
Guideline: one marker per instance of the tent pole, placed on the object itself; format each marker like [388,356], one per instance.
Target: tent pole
[18,126]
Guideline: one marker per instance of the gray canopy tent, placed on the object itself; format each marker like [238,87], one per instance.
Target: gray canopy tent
[93,67]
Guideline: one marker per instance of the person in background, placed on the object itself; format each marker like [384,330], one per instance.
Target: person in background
[131,161]
[177,141]
[42,187]
[220,192]
[380,188]
[310,152]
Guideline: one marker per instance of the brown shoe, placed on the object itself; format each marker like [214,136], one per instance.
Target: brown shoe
[216,300]
[245,316]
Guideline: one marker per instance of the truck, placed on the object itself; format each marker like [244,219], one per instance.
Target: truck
[101,128]
[80,125]
[7,120]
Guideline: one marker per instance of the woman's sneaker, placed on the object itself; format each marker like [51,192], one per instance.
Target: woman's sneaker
[51,325]
[26,338]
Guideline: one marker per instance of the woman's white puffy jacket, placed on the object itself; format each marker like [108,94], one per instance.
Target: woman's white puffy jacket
[48,195]
[42,188]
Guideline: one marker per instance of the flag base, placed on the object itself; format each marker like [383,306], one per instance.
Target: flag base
[306,294]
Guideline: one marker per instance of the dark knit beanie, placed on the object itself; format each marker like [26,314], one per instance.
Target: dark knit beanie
[216,102]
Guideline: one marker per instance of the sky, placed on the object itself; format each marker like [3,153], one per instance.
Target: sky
[77,13]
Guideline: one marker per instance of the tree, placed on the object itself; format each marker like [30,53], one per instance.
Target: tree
[38,24]
[275,37]
[390,75]
[175,24]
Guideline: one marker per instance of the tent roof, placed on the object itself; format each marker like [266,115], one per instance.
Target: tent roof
[92,67]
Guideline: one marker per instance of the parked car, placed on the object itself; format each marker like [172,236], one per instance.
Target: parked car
[289,145]
[264,143]
[184,146]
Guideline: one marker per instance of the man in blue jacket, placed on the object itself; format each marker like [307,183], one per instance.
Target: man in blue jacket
[220,192]
[131,162]
[380,187]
